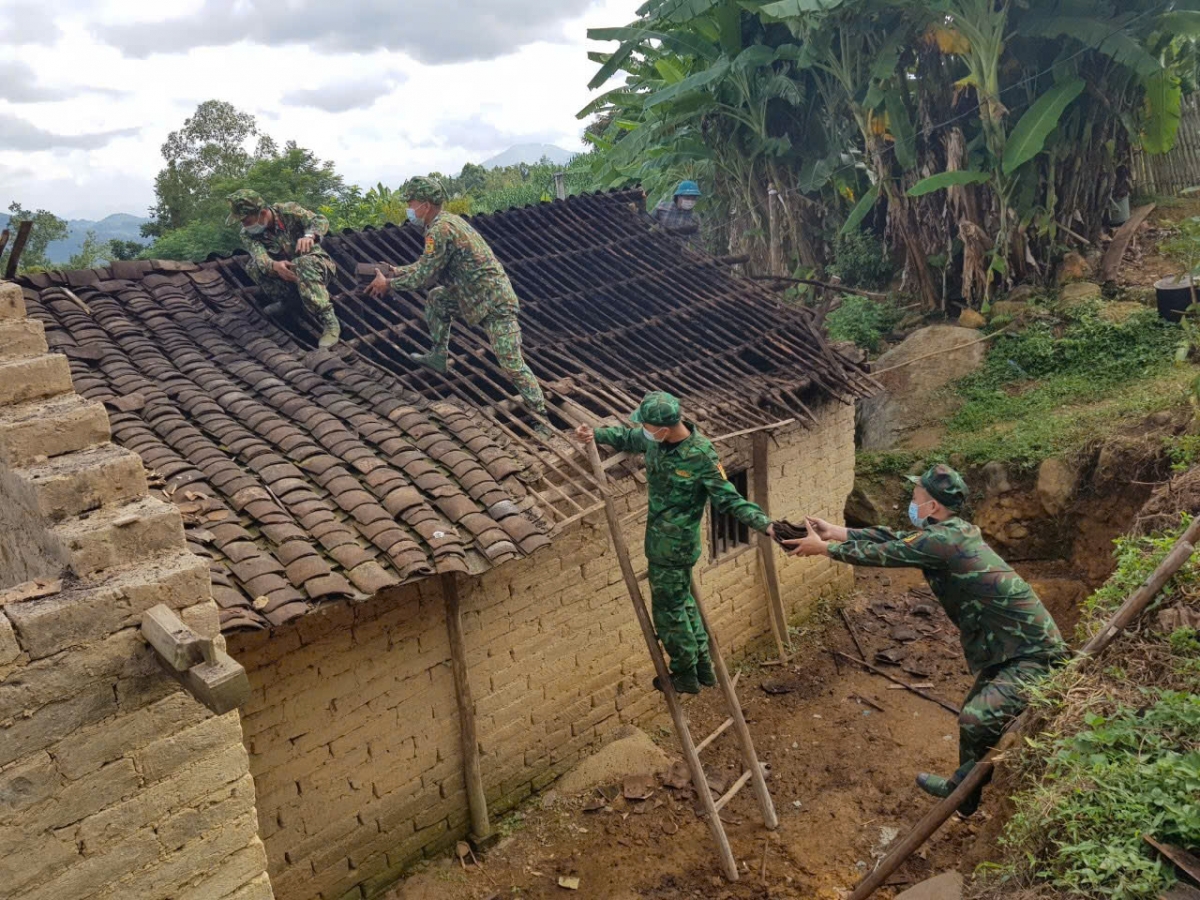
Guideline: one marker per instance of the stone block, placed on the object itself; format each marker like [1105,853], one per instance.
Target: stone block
[48,625]
[12,300]
[50,428]
[89,750]
[120,535]
[55,721]
[21,338]
[80,482]
[34,378]
[26,784]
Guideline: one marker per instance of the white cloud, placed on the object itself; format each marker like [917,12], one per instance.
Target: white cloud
[380,115]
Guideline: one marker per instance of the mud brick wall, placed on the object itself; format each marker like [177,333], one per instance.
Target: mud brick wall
[352,725]
[114,783]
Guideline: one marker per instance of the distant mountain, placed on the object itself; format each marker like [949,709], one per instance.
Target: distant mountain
[529,154]
[118,226]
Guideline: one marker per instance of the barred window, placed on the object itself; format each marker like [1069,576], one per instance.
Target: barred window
[727,534]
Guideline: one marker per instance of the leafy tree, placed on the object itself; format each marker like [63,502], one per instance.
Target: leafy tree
[211,144]
[91,254]
[118,249]
[47,227]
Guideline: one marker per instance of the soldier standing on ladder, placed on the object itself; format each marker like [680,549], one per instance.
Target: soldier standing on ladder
[683,474]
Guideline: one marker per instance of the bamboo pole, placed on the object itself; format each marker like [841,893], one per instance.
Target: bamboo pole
[944,809]
[481,828]
[740,728]
[766,549]
[678,716]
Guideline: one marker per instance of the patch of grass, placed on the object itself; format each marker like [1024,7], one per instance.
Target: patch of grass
[887,463]
[1184,451]
[863,321]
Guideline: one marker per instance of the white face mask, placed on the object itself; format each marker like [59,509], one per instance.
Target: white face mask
[687,202]
[650,436]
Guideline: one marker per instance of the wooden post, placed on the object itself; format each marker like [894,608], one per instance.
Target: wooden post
[560,185]
[749,757]
[766,547]
[18,245]
[776,262]
[481,828]
[678,716]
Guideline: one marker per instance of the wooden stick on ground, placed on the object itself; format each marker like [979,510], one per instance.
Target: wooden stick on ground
[908,687]
[853,634]
[1110,265]
[944,809]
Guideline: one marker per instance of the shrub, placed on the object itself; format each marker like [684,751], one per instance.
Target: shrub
[863,321]
[861,260]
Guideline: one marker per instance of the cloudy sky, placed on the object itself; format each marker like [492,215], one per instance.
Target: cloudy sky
[89,89]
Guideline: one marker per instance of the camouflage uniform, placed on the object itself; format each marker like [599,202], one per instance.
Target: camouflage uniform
[1008,637]
[472,284]
[314,270]
[682,479]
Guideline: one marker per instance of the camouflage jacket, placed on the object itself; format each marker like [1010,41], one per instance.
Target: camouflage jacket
[998,615]
[457,258]
[292,222]
[682,479]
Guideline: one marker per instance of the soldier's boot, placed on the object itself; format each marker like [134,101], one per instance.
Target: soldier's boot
[273,309]
[936,785]
[704,672]
[434,360]
[683,682]
[944,787]
[332,329]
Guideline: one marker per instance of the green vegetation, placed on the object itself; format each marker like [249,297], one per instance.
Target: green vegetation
[1118,755]
[861,260]
[833,113]
[863,321]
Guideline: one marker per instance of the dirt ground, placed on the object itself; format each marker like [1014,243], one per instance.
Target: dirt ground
[843,749]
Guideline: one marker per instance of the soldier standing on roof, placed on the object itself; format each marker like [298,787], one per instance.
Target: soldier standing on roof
[1008,636]
[471,283]
[285,260]
[683,475]
[677,215]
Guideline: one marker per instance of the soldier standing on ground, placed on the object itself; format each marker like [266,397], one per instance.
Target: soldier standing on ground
[683,475]
[285,260]
[471,283]
[1008,636]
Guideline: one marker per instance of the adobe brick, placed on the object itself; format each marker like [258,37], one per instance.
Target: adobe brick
[79,482]
[54,721]
[224,805]
[12,301]
[50,428]
[82,879]
[238,877]
[21,338]
[119,535]
[258,888]
[27,858]
[167,756]
[26,379]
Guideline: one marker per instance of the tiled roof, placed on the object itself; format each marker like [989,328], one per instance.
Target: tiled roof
[303,476]
[307,475]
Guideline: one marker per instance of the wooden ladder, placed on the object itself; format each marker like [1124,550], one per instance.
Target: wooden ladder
[753,773]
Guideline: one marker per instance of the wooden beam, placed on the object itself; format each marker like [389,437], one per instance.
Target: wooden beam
[759,461]
[1110,265]
[481,828]
[23,230]
[207,673]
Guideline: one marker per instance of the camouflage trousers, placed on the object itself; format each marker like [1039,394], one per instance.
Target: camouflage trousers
[504,333]
[997,697]
[677,618]
[314,271]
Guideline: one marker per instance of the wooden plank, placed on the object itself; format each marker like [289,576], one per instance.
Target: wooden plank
[759,463]
[1186,862]
[481,828]
[1111,265]
[23,230]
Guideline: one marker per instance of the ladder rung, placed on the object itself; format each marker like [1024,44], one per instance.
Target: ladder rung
[732,792]
[724,726]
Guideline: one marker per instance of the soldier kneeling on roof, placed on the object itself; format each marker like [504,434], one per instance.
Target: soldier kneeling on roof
[1008,636]
[683,474]
[285,260]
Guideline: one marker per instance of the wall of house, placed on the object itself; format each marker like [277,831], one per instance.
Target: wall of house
[114,783]
[352,726]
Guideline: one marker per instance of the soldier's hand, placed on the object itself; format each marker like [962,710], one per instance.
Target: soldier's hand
[807,546]
[305,245]
[584,434]
[825,530]
[284,270]
[378,286]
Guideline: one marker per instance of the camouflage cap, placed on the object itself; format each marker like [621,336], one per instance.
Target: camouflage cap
[657,408]
[244,203]
[426,190]
[944,485]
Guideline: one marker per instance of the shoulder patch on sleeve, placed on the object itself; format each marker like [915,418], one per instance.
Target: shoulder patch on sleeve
[721,469]
[429,243]
[914,537]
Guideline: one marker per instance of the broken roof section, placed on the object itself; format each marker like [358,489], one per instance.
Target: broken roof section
[308,475]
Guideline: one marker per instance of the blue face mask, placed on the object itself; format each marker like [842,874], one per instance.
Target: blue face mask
[412,216]
[917,521]
[650,437]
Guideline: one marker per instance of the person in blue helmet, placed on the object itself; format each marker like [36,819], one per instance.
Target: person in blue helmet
[678,215]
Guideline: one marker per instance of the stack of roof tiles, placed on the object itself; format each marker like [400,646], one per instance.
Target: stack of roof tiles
[302,476]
